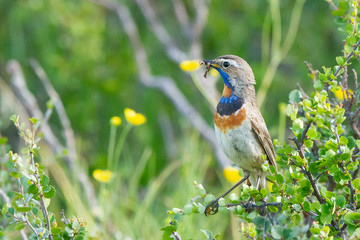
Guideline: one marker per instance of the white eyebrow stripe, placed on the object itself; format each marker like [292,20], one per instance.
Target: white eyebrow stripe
[235,64]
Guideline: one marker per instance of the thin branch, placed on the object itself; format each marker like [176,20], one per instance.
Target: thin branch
[172,50]
[163,83]
[8,202]
[300,148]
[347,58]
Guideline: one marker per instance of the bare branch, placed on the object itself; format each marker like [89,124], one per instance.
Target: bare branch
[165,84]
[172,50]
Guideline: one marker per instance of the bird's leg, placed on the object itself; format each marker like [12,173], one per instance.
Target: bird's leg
[213,206]
[258,182]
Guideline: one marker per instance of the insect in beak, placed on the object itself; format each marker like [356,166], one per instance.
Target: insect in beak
[207,63]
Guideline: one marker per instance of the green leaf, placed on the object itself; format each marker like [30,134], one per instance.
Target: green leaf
[318,85]
[312,133]
[306,206]
[352,218]
[14,118]
[309,143]
[279,178]
[188,209]
[343,140]
[273,209]
[315,231]
[295,96]
[207,233]
[19,226]
[33,189]
[340,61]
[49,191]
[168,230]
[16,174]
[356,183]
[263,192]
[4,209]
[251,215]
[45,181]
[79,237]
[23,209]
[340,200]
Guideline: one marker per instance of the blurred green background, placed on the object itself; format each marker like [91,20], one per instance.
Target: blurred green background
[89,60]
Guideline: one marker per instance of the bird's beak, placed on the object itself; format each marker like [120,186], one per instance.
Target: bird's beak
[210,63]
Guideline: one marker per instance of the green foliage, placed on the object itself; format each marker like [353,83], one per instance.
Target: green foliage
[316,192]
[27,206]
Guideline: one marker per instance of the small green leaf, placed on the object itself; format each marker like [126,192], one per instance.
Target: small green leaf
[33,189]
[251,215]
[208,234]
[352,218]
[4,209]
[16,174]
[23,209]
[340,61]
[33,120]
[273,209]
[19,226]
[295,96]
[343,140]
[45,181]
[188,209]
[49,191]
[309,143]
[356,183]
[312,133]
[340,200]
[306,206]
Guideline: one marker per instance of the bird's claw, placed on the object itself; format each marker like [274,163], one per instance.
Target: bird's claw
[212,208]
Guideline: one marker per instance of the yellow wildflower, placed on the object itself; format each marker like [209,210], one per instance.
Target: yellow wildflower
[341,93]
[189,65]
[102,175]
[232,174]
[116,121]
[134,117]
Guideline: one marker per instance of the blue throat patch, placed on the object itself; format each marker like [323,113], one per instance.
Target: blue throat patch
[225,78]
[230,99]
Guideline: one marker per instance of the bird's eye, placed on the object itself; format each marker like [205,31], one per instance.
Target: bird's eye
[226,64]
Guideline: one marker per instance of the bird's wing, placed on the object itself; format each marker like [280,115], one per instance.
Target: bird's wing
[259,127]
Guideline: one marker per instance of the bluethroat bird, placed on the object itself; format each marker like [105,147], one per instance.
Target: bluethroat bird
[239,126]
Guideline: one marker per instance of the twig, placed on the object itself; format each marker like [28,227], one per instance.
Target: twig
[300,147]
[8,202]
[41,195]
[347,58]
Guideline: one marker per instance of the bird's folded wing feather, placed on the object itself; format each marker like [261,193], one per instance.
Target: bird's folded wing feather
[263,135]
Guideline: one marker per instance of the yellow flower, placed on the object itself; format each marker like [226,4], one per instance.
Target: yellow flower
[102,175]
[116,121]
[339,94]
[189,65]
[232,174]
[134,117]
